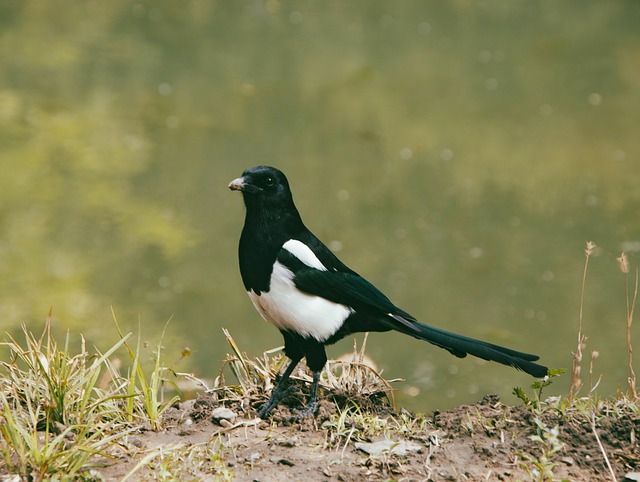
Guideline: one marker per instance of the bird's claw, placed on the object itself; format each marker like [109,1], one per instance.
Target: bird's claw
[264,411]
[276,397]
[308,411]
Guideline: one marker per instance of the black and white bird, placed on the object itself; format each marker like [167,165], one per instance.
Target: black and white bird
[297,284]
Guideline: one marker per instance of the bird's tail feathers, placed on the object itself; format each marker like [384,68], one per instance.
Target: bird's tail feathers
[460,345]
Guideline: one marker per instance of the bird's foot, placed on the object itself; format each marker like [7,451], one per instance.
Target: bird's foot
[266,408]
[308,411]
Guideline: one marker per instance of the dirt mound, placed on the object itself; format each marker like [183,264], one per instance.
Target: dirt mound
[483,441]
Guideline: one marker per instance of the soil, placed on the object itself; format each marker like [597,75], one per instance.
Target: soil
[487,441]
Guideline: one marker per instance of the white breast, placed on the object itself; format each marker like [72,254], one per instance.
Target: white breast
[290,309]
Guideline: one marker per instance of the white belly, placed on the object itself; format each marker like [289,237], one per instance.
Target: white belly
[290,309]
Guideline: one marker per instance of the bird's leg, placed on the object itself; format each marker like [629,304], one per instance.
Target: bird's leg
[279,392]
[312,405]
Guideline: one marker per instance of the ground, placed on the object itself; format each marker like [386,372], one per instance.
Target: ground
[485,441]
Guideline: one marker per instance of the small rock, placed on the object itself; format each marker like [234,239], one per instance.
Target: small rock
[567,461]
[406,413]
[254,457]
[289,442]
[59,428]
[136,442]
[221,413]
[401,447]
[632,476]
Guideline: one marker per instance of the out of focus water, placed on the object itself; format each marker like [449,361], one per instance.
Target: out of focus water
[457,154]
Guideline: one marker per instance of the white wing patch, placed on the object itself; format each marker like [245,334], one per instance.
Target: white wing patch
[304,254]
[290,309]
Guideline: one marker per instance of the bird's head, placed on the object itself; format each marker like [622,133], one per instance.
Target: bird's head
[263,186]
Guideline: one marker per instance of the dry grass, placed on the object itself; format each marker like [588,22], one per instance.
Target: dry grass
[354,380]
[623,262]
[576,381]
[55,416]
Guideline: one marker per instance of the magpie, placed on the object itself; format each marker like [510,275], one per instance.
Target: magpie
[297,284]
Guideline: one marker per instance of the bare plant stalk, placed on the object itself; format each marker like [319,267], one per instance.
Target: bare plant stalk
[632,375]
[592,387]
[604,453]
[631,304]
[576,382]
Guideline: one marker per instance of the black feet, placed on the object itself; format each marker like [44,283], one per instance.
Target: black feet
[277,395]
[308,411]
[282,391]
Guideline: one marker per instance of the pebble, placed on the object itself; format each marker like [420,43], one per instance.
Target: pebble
[223,416]
[401,447]
[254,457]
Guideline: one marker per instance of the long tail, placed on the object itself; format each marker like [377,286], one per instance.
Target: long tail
[460,345]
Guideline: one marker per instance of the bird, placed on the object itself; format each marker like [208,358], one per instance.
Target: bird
[300,286]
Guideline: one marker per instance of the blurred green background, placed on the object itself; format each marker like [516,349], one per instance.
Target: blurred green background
[458,154]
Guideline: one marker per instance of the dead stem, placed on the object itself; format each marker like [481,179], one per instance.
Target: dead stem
[604,453]
[623,263]
[576,382]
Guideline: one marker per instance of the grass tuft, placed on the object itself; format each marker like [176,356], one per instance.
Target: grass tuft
[346,381]
[145,393]
[55,416]
[182,462]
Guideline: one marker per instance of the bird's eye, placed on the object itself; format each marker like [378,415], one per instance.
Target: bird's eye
[269,182]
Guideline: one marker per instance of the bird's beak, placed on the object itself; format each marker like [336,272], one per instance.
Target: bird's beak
[237,184]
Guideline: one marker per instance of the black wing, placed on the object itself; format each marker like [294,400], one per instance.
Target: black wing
[337,283]
[346,287]
[350,289]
